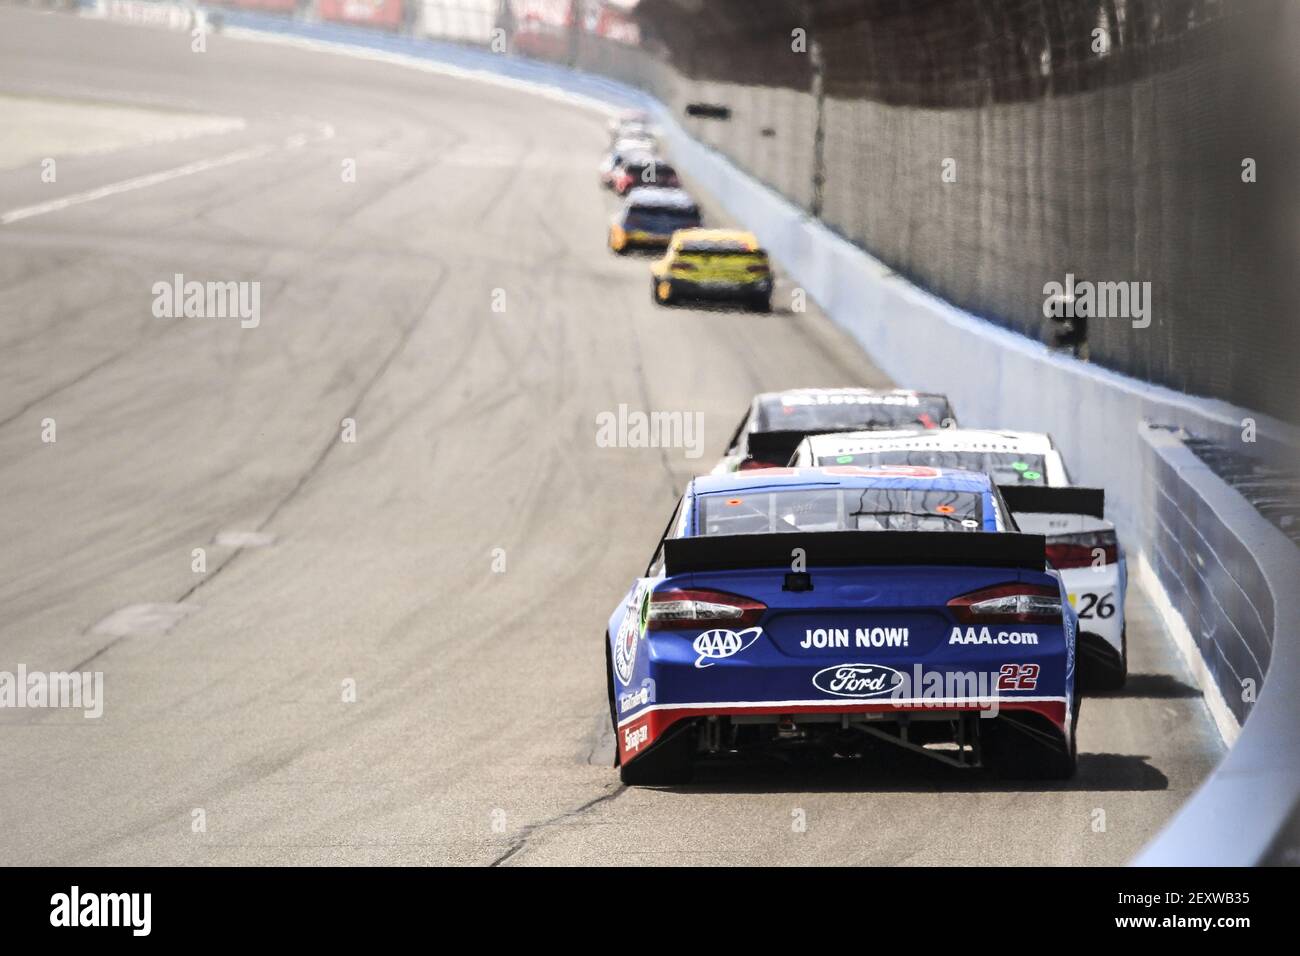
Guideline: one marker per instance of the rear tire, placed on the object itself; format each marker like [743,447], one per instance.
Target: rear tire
[762,303]
[1107,671]
[609,690]
[670,761]
[1016,751]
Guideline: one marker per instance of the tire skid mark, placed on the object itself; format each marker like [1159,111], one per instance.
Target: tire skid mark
[528,832]
[318,462]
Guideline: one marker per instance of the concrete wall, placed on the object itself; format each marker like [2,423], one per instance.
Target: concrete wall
[1231,577]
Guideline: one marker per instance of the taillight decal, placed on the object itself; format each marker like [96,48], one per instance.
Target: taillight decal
[688,608]
[1013,602]
[1083,549]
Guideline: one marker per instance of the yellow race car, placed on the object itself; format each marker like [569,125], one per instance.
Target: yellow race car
[713,264]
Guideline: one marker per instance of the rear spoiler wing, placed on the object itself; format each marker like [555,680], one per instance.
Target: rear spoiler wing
[774,447]
[779,447]
[1034,499]
[830,549]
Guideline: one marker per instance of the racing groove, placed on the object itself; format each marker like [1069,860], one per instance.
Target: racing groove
[477,731]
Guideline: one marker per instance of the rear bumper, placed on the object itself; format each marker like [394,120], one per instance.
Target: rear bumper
[721,290]
[757,673]
[638,733]
[650,240]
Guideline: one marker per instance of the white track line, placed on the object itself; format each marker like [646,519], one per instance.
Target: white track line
[152,179]
[127,185]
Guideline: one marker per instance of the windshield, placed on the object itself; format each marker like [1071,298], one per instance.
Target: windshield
[841,509]
[1005,468]
[843,412]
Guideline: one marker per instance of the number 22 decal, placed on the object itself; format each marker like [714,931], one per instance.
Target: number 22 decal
[1018,677]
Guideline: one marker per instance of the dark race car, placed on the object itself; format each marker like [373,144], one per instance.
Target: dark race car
[649,218]
[777,422]
[642,170]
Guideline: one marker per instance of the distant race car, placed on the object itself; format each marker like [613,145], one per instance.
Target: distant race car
[1028,468]
[630,123]
[638,148]
[641,170]
[715,264]
[776,422]
[830,608]
[649,218]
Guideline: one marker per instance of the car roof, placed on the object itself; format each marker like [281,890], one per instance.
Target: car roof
[738,236]
[660,198]
[935,439]
[842,476]
[834,396]
[638,156]
[644,157]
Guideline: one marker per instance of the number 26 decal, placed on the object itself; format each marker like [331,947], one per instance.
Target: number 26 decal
[1017,677]
[1091,605]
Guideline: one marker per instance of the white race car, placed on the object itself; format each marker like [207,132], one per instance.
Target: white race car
[621,152]
[1026,466]
[630,123]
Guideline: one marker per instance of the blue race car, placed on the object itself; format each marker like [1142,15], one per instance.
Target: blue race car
[828,608]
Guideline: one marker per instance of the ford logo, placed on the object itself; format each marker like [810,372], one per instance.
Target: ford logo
[856,680]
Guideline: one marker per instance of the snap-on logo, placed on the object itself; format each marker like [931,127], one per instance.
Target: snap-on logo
[634,737]
[856,680]
[720,642]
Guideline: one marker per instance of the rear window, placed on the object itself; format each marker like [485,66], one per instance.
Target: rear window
[1005,468]
[665,219]
[844,412]
[697,247]
[737,258]
[650,173]
[841,509]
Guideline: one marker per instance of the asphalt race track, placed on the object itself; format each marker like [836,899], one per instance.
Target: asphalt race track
[479,732]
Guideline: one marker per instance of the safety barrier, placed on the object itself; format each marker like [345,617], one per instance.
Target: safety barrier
[1230,575]
[997,378]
